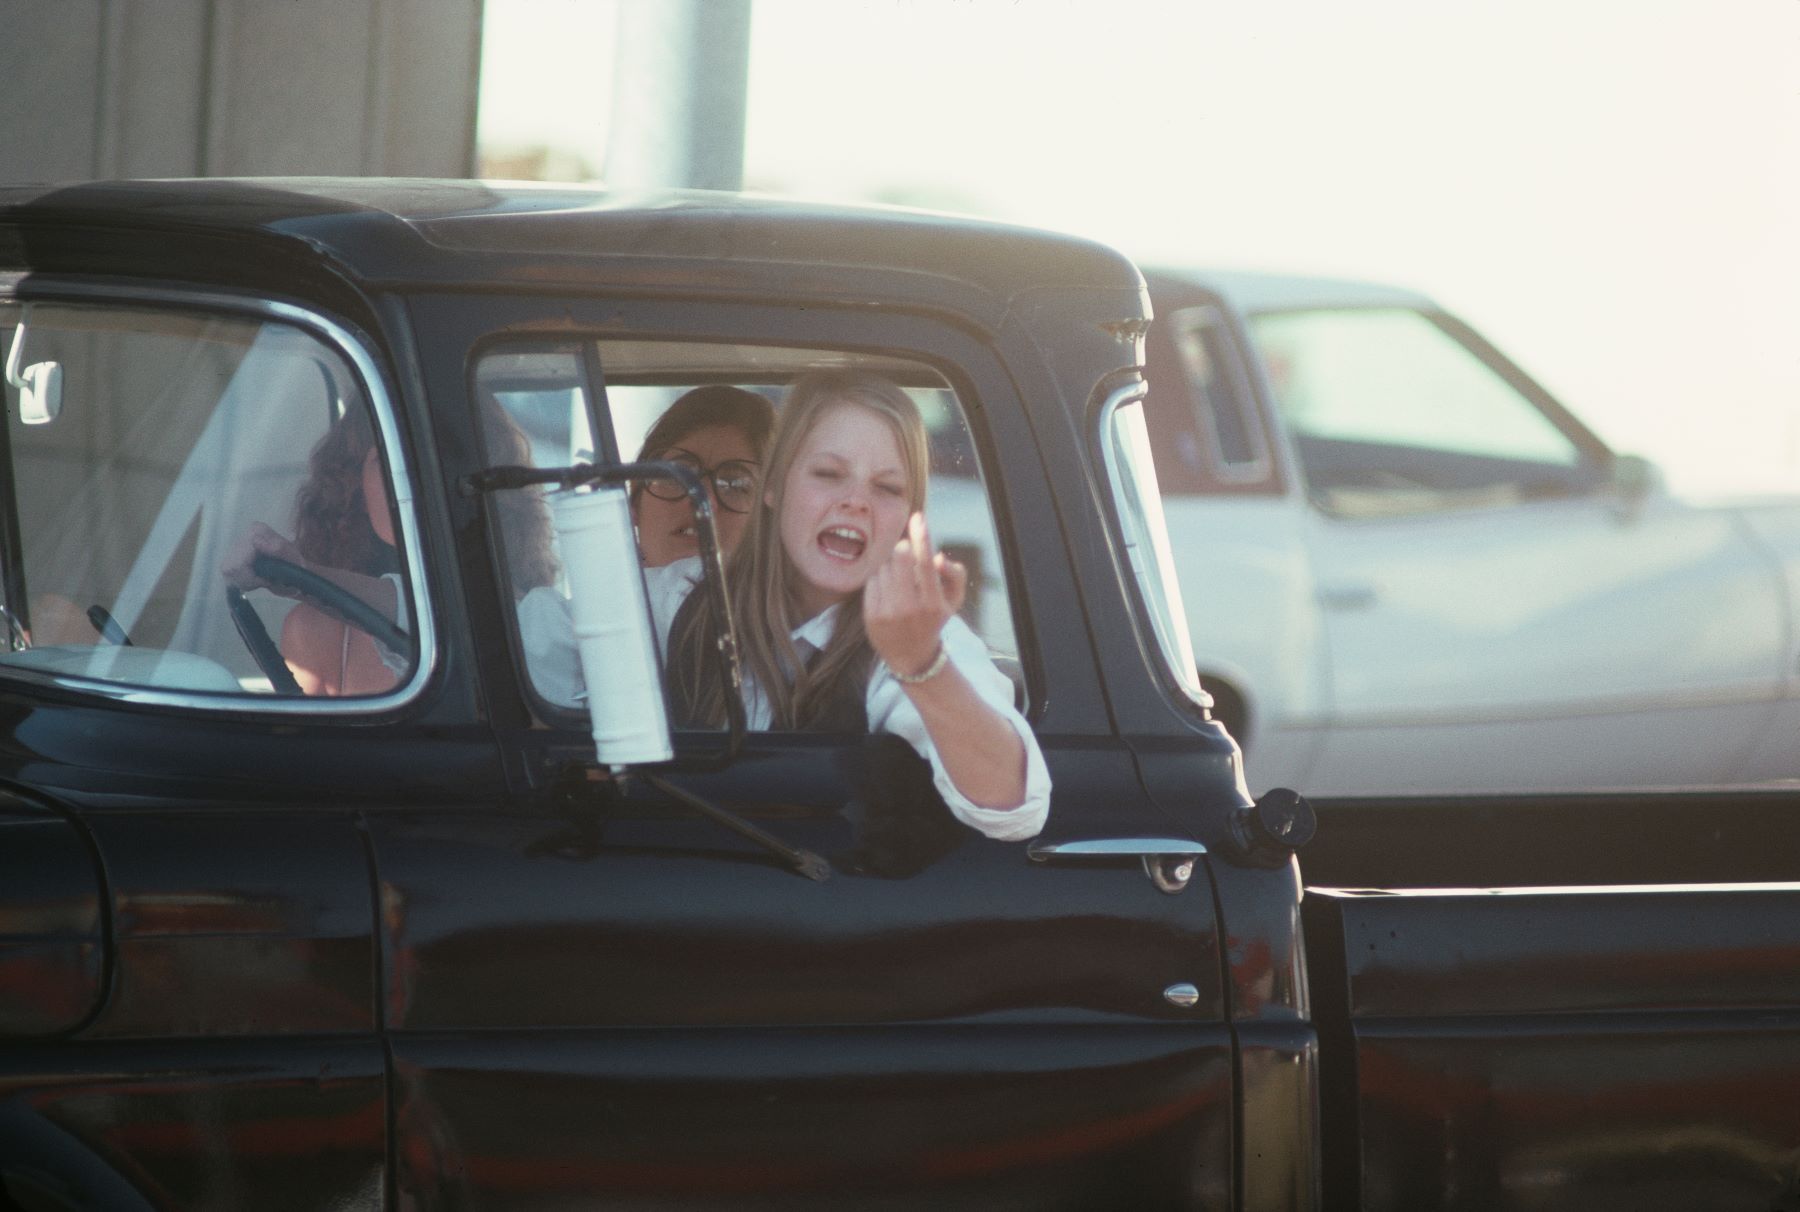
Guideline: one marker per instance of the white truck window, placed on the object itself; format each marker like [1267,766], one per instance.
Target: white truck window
[1389,413]
[1223,401]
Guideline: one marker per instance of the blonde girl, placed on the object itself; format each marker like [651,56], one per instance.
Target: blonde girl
[847,614]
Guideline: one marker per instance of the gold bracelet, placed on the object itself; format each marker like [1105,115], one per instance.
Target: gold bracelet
[926,674]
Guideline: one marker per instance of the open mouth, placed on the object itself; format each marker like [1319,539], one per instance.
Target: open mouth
[844,543]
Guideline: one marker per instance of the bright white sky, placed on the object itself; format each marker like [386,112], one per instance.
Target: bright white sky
[1610,189]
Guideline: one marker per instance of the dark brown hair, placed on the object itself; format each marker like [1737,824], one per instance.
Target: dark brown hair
[702,408]
[331,522]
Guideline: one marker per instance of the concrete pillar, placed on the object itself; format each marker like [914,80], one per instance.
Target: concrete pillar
[163,88]
[681,71]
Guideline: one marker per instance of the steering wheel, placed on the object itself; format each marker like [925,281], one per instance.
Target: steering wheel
[327,593]
[263,651]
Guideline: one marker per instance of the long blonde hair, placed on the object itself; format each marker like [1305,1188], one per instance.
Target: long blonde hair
[761,579]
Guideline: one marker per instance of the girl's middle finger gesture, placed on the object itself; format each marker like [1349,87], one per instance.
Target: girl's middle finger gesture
[910,598]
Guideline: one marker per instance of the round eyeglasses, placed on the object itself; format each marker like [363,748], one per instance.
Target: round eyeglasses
[733,482]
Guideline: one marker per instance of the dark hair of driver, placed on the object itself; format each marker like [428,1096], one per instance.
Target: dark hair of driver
[331,522]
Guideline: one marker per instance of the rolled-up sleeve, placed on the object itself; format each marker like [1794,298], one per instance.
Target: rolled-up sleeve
[890,710]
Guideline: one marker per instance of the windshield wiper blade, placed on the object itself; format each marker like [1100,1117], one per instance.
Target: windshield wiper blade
[805,862]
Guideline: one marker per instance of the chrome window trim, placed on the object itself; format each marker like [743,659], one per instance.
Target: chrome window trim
[1182,325]
[1170,650]
[40,288]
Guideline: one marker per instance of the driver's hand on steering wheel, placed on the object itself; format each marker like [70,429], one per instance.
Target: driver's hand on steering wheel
[261,540]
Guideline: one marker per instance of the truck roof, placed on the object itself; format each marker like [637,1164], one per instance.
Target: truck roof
[1250,291]
[401,231]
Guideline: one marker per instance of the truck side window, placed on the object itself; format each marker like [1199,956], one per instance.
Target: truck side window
[149,452]
[1390,414]
[958,509]
[545,399]
[534,410]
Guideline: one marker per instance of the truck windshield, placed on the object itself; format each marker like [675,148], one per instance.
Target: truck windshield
[1126,443]
[198,503]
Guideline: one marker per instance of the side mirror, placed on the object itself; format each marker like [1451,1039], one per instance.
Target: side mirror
[614,636]
[40,384]
[613,633]
[1634,480]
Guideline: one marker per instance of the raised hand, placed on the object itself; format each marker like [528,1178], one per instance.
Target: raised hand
[910,598]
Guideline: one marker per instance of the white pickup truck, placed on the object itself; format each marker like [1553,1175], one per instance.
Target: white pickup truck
[1408,568]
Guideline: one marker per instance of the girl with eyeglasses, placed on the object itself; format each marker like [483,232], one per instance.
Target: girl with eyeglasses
[721,433]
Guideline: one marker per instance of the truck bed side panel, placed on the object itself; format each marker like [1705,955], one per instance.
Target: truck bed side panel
[1553,1048]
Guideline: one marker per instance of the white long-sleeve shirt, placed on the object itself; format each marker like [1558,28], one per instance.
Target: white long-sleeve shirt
[556,671]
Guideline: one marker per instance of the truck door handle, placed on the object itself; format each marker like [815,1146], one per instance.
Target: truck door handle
[1348,595]
[1167,861]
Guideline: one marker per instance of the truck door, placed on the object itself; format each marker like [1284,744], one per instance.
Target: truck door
[187,924]
[600,996]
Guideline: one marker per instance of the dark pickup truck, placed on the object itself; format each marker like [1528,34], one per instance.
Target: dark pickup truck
[429,932]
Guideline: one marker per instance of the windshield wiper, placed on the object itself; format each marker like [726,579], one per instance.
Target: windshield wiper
[805,862]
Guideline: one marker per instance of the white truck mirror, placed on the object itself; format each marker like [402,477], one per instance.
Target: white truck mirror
[613,633]
[616,642]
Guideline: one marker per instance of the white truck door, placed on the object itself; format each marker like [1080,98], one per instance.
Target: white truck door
[1502,614]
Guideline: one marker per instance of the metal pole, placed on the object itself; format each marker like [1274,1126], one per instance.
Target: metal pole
[682,70]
